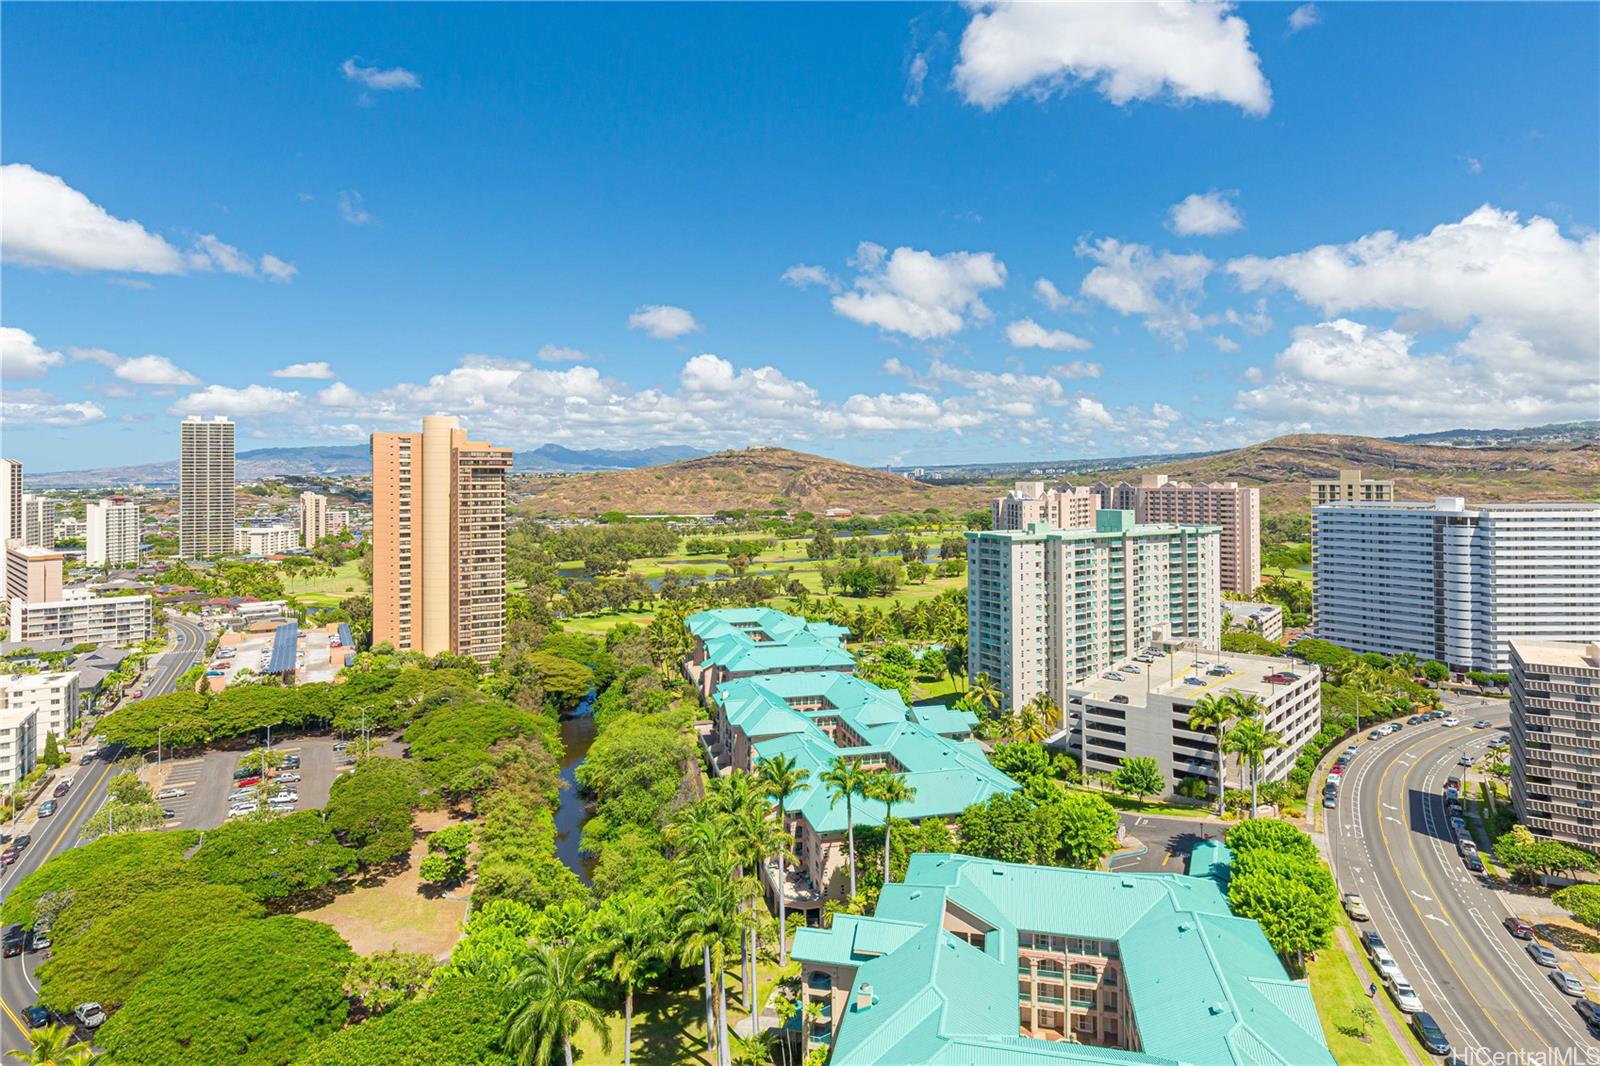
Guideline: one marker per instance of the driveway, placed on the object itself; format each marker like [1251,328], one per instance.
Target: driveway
[1167,841]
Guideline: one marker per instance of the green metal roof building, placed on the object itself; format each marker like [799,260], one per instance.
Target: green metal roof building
[744,641]
[978,962]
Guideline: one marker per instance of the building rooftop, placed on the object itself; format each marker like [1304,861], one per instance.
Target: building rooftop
[745,640]
[1205,986]
[1455,505]
[23,682]
[1166,676]
[1243,609]
[1581,655]
[34,553]
[1108,524]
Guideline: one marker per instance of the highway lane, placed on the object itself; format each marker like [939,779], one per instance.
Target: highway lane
[1390,840]
[18,987]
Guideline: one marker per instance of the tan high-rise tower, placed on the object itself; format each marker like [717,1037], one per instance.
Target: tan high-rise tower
[438,541]
[313,518]
[205,488]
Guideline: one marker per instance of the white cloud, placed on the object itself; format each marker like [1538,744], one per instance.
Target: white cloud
[352,208]
[916,75]
[1254,374]
[1473,164]
[1204,215]
[1026,333]
[1225,344]
[804,275]
[48,224]
[1304,17]
[305,370]
[130,283]
[22,357]
[250,401]
[277,269]
[153,370]
[30,407]
[379,78]
[551,353]
[339,395]
[1075,369]
[1162,287]
[1092,412]
[1127,51]
[664,322]
[917,293]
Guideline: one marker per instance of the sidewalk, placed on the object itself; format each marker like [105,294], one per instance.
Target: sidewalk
[1380,1003]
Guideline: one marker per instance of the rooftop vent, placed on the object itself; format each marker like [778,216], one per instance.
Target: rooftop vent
[864,997]
[1218,1008]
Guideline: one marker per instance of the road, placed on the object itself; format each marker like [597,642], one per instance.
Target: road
[56,834]
[1390,840]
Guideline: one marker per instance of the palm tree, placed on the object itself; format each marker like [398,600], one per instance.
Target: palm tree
[845,780]
[1211,714]
[781,778]
[1251,741]
[555,995]
[755,837]
[631,930]
[706,917]
[889,789]
[986,692]
[52,1046]
[699,835]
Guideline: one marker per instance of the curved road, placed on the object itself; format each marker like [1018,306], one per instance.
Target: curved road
[1390,840]
[56,834]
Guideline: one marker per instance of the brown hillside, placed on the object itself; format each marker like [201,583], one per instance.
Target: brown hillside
[750,478]
[1284,466]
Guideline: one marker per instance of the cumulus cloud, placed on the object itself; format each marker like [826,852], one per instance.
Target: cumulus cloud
[155,370]
[1131,279]
[29,407]
[664,322]
[917,293]
[1225,344]
[1204,215]
[804,275]
[305,370]
[1045,291]
[47,224]
[1075,369]
[352,208]
[378,78]
[1185,51]
[22,357]
[1304,17]
[916,75]
[250,401]
[553,353]
[1026,333]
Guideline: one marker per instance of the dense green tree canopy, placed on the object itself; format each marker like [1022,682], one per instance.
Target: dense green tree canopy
[274,856]
[104,869]
[456,1024]
[370,809]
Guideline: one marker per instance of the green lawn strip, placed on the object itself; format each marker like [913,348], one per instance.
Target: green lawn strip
[1338,990]
[1480,827]
[1138,806]
[345,582]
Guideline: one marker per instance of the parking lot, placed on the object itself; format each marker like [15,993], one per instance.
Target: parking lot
[1167,841]
[207,781]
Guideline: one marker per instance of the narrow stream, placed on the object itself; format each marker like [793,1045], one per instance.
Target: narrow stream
[577,733]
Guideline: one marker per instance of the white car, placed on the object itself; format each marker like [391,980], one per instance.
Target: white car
[170,794]
[1452,720]
[284,779]
[1385,963]
[1405,997]
[90,1015]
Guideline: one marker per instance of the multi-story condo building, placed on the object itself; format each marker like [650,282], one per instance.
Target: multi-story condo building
[1455,583]
[1263,618]
[38,521]
[19,745]
[1235,510]
[81,617]
[10,501]
[1555,739]
[736,642]
[1049,607]
[975,961]
[815,717]
[438,540]
[69,528]
[1030,503]
[313,518]
[338,520]
[205,488]
[51,698]
[1351,487]
[33,575]
[111,533]
[265,540]
[1143,709]
[1122,496]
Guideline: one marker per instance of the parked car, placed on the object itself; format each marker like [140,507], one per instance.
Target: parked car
[286,778]
[1129,668]
[1451,720]
[1589,1011]
[8,856]
[1474,863]
[37,1017]
[1356,907]
[1119,698]
[1371,941]
[61,788]
[242,771]
[1415,719]
[13,941]
[253,779]
[1429,1033]
[1458,826]
[1517,927]
[1467,847]
[1330,800]
[1376,734]
[39,939]
[1405,997]
[1385,963]
[90,1015]
[171,794]
[168,813]
[47,808]
[1194,681]
[1566,982]
[1465,760]
[22,842]
[1541,955]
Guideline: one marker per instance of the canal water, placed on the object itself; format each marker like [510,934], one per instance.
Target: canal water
[577,733]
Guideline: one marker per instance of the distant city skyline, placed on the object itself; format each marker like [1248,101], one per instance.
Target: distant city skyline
[879,233]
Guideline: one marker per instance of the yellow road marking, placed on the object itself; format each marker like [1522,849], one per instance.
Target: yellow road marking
[19,1022]
[1167,859]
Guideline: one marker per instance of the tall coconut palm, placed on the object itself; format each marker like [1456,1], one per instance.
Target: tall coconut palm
[554,995]
[889,789]
[706,919]
[1211,714]
[845,780]
[1251,741]
[699,836]
[631,930]
[1049,713]
[754,838]
[52,1046]
[782,777]
[985,691]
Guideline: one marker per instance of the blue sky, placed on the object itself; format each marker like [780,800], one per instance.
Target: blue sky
[883,233]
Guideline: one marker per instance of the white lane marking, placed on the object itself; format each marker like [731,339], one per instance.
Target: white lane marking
[1419,895]
[1435,918]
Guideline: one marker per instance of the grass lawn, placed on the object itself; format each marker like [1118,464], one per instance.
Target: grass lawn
[1138,806]
[328,591]
[1338,992]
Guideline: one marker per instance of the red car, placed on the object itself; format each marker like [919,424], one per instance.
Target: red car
[1518,928]
[8,856]
[246,782]
[61,789]
[1337,771]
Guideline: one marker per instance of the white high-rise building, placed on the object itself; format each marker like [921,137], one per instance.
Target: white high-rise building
[1047,608]
[111,534]
[52,698]
[1455,583]
[205,488]
[38,521]
[265,540]
[313,518]
[10,502]
[19,745]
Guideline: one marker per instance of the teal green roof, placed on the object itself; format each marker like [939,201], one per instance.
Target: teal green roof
[749,640]
[1205,986]
[942,719]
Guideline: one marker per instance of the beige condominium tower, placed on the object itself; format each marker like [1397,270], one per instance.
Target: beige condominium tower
[438,540]
[205,488]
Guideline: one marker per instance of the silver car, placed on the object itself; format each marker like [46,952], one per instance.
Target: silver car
[90,1015]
